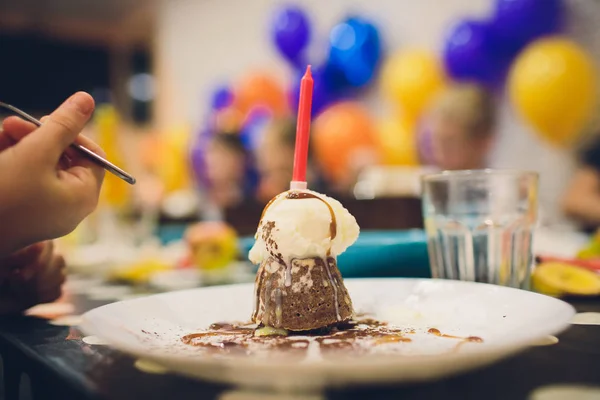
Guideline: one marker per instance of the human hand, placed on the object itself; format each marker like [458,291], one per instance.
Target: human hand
[47,187]
[31,276]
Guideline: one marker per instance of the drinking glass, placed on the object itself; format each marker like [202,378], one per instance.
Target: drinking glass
[480,225]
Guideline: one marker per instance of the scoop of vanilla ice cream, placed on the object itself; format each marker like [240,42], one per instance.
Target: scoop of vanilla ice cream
[300,228]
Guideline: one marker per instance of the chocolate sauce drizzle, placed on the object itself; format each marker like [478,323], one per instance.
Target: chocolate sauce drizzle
[267,207]
[436,332]
[463,340]
[351,338]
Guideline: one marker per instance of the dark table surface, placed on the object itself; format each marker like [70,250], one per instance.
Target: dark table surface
[43,361]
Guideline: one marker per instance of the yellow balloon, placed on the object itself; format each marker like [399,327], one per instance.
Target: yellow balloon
[412,79]
[398,143]
[553,84]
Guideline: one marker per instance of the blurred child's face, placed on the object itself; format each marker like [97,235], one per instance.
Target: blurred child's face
[224,165]
[454,148]
[225,171]
[275,161]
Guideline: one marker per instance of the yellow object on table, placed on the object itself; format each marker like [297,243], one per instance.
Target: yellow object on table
[213,245]
[140,272]
[557,279]
[592,250]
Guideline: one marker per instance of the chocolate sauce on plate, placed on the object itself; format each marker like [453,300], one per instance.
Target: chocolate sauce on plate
[351,338]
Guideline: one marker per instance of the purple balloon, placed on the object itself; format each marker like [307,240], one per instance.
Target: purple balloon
[517,22]
[469,54]
[222,98]
[291,32]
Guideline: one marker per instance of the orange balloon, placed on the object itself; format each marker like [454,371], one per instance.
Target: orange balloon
[261,89]
[340,133]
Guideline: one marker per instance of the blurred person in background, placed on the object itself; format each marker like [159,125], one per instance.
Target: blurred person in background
[229,170]
[461,122]
[581,202]
[275,160]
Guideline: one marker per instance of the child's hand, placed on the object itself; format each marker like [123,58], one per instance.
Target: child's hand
[47,188]
[31,276]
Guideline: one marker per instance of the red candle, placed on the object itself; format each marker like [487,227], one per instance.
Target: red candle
[303,131]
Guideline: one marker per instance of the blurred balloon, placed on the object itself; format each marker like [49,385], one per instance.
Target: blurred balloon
[517,22]
[355,48]
[553,85]
[260,89]
[397,143]
[221,98]
[470,54]
[339,133]
[291,32]
[254,127]
[412,79]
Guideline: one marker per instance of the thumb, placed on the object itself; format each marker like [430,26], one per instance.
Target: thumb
[62,127]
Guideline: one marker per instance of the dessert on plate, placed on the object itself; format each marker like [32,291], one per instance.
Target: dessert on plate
[298,285]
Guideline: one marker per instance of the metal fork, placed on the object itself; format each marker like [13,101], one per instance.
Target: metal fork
[107,165]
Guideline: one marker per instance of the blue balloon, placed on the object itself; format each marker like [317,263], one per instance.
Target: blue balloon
[355,49]
[334,79]
[469,54]
[222,98]
[291,32]
[517,22]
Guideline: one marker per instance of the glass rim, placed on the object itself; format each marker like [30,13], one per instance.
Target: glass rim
[477,173]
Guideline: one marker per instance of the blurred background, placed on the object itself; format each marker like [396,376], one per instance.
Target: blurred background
[197,98]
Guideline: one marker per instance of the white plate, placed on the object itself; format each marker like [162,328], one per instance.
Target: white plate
[507,319]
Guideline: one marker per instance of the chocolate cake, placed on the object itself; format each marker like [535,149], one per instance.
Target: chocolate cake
[305,295]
